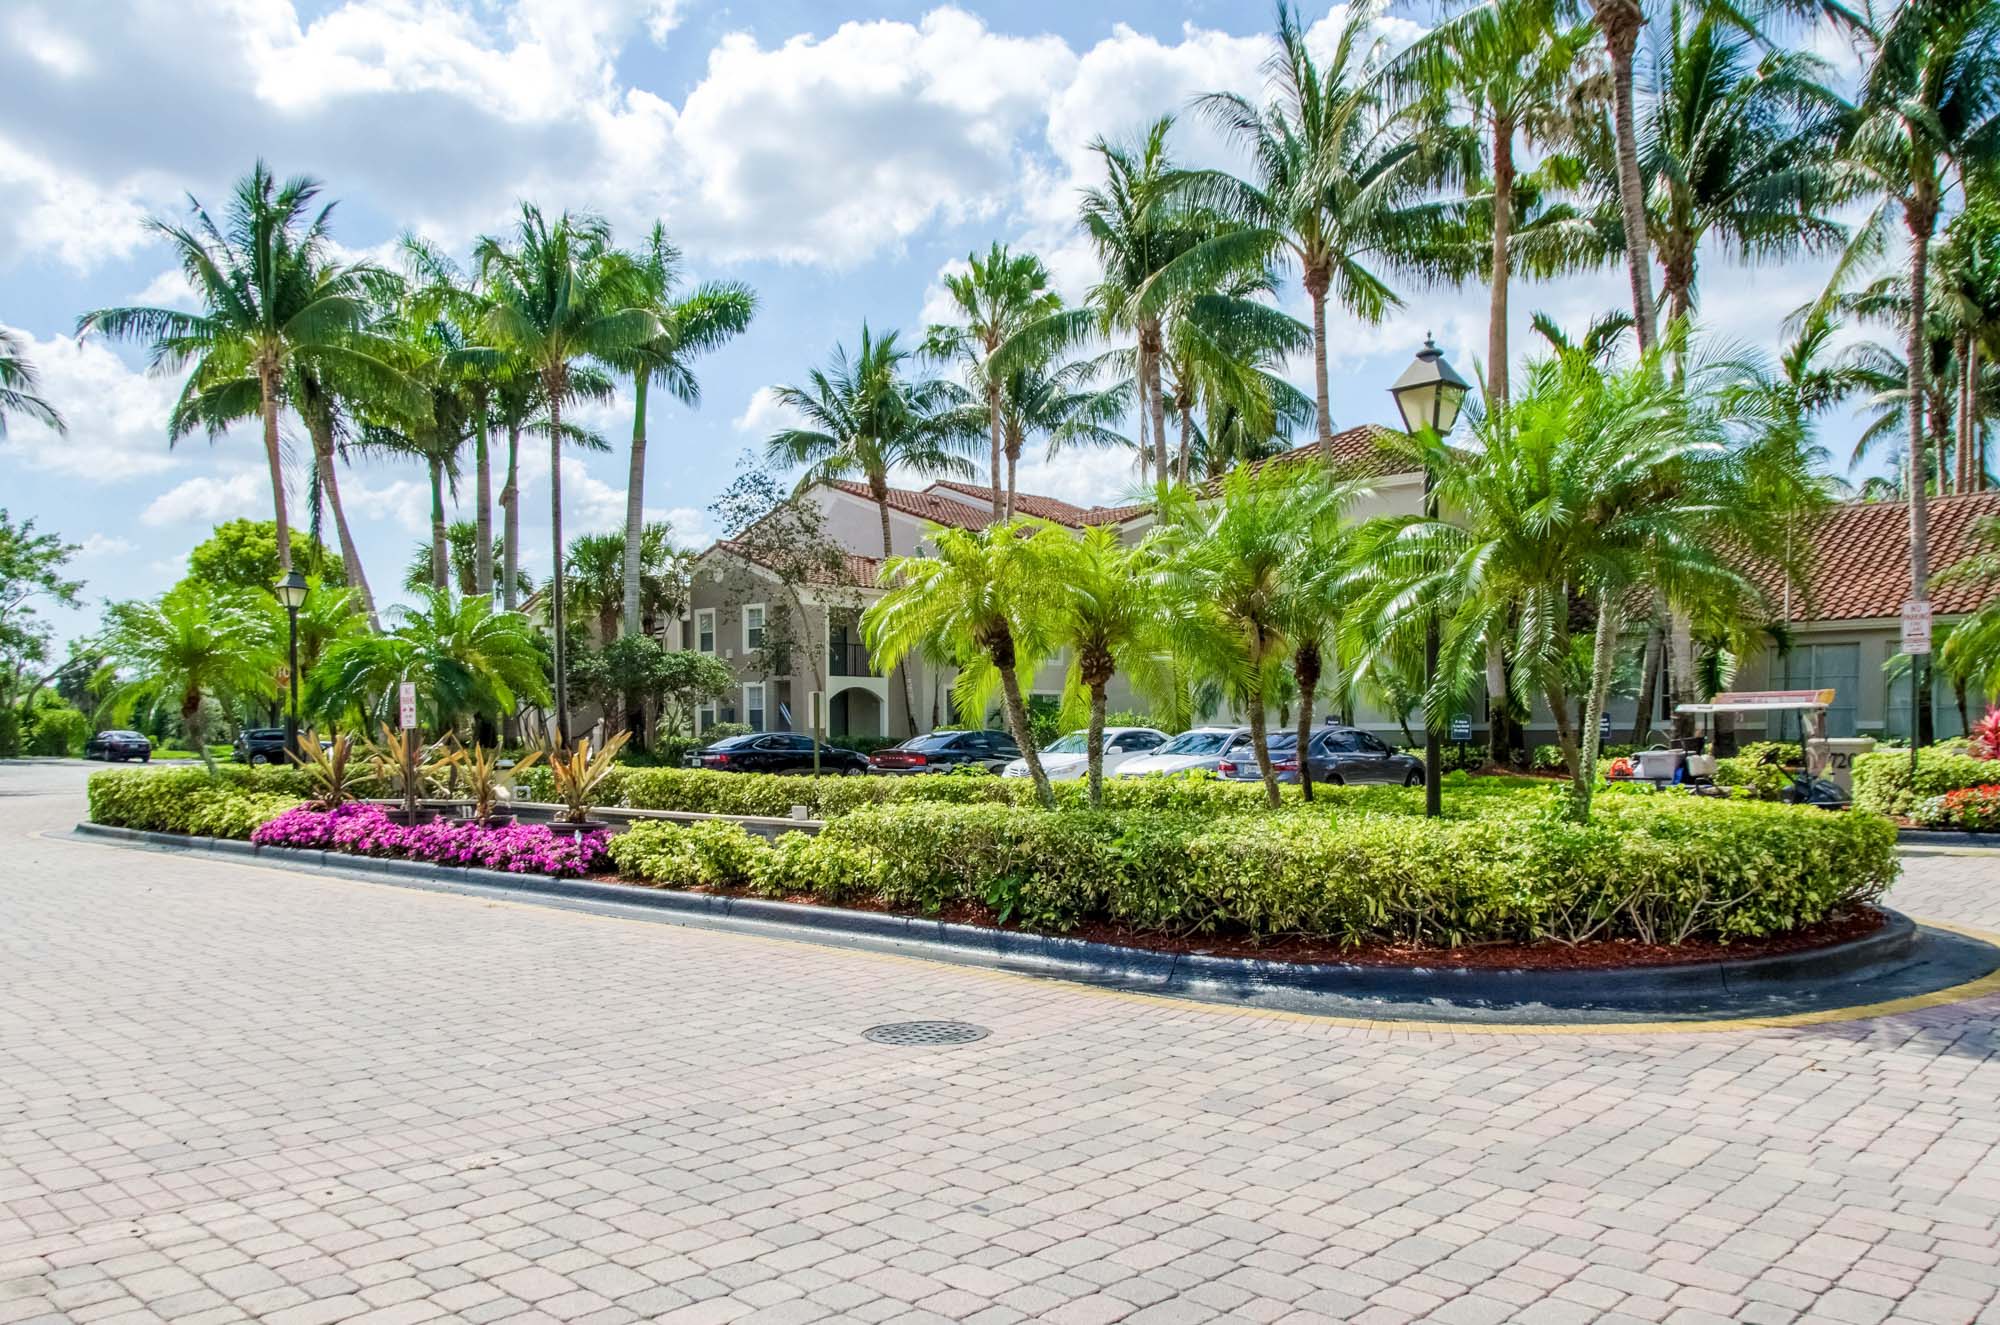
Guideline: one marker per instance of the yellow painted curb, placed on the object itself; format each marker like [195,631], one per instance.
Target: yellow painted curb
[1960,993]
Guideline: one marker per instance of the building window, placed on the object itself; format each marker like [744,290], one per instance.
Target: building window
[1835,667]
[753,705]
[753,626]
[704,718]
[704,630]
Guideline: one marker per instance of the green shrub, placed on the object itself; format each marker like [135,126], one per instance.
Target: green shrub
[1657,868]
[1883,785]
[10,732]
[538,784]
[1759,779]
[188,800]
[57,730]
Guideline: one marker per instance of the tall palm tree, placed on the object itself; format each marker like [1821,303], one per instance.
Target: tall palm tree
[189,645]
[20,385]
[995,297]
[595,571]
[270,293]
[1928,112]
[552,304]
[1060,403]
[977,602]
[1518,69]
[1224,349]
[691,324]
[1623,22]
[865,418]
[460,536]
[1338,187]
[1968,286]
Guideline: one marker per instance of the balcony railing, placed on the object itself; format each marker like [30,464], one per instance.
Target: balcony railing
[844,659]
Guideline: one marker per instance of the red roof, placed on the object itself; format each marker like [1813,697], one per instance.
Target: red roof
[860,571]
[1861,560]
[923,505]
[1357,453]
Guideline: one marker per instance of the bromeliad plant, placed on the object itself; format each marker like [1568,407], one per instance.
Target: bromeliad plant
[333,773]
[576,774]
[408,767]
[486,777]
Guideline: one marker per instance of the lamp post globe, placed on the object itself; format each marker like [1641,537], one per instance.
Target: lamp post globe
[1429,395]
[291,591]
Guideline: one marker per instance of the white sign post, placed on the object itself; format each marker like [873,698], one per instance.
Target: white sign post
[1916,627]
[406,697]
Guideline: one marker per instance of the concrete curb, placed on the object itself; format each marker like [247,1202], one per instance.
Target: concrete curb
[1946,837]
[1708,989]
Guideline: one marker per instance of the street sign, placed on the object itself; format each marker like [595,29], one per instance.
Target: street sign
[1461,729]
[406,698]
[1604,727]
[1916,627]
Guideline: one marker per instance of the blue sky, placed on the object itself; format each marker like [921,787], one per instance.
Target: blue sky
[836,157]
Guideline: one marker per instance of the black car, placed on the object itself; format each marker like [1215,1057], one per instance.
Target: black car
[114,746]
[938,752]
[778,752]
[1338,754]
[260,745]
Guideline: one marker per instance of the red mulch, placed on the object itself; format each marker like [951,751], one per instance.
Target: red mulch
[1546,956]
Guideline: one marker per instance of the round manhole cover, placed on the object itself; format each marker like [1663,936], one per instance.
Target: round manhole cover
[925,1032]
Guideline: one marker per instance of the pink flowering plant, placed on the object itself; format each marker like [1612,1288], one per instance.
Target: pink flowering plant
[364,830]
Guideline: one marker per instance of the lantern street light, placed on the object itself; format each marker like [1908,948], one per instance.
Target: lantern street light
[291,592]
[1428,396]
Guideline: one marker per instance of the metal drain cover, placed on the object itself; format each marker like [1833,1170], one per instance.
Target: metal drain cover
[926,1032]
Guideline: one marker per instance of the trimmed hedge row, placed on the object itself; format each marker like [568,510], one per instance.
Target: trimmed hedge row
[188,800]
[1883,785]
[1652,869]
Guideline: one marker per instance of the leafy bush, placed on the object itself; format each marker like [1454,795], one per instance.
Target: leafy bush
[10,731]
[1975,809]
[1655,868]
[1883,785]
[1760,780]
[722,731]
[188,800]
[57,729]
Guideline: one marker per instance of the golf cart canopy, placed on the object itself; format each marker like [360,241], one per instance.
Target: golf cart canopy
[1762,701]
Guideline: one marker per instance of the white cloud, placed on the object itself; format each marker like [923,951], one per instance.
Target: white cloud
[104,545]
[211,498]
[690,526]
[763,415]
[1085,476]
[117,416]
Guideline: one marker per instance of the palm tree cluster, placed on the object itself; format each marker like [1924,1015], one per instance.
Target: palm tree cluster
[430,362]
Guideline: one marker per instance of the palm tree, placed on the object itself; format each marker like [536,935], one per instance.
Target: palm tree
[1225,581]
[189,645]
[1336,191]
[1968,286]
[1622,22]
[595,573]
[431,351]
[19,385]
[977,602]
[467,659]
[551,304]
[1105,613]
[461,537]
[866,419]
[1312,601]
[1223,350]
[1929,107]
[271,294]
[691,324]
[996,297]
[1517,68]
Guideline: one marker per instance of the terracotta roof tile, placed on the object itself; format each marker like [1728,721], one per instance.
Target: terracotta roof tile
[860,571]
[1861,560]
[923,505]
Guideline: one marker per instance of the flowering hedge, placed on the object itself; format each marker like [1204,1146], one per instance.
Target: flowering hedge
[365,830]
[1976,809]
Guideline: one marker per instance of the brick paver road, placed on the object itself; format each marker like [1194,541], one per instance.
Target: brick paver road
[231,1092]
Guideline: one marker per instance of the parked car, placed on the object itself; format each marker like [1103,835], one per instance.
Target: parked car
[937,752]
[1338,754]
[778,752]
[1197,750]
[112,747]
[1068,758]
[259,745]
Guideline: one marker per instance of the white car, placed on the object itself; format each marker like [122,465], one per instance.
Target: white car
[1068,759]
[1197,750]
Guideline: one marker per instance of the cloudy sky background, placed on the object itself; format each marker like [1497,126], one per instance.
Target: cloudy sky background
[837,158]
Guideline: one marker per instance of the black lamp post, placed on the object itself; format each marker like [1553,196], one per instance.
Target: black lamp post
[1428,395]
[291,592]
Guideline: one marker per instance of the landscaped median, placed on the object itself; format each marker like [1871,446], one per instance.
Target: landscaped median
[1173,858]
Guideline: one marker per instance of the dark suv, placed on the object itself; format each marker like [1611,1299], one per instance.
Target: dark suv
[938,752]
[260,745]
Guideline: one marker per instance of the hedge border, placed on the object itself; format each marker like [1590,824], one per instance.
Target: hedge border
[1918,961]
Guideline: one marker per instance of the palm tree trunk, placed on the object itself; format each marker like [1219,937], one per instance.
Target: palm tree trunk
[1962,451]
[635,505]
[557,619]
[350,554]
[1017,720]
[1139,401]
[1186,465]
[1649,682]
[510,520]
[1601,657]
[1260,740]
[1156,402]
[1095,745]
[1013,461]
[1921,218]
[267,376]
[1318,280]
[482,504]
[1503,228]
[1498,708]
[1305,670]
[440,542]
[1621,22]
[1003,504]
[879,484]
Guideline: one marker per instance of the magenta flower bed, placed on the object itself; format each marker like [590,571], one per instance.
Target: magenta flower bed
[364,830]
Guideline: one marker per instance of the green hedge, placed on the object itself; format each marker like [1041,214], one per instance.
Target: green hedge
[188,800]
[1651,868]
[1882,781]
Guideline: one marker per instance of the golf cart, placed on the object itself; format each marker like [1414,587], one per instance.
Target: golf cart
[1810,786]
